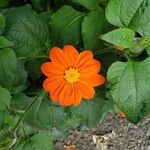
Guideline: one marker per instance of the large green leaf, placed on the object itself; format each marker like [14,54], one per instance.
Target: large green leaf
[122,37]
[140,21]
[92,111]
[94,24]
[8,65]
[38,141]
[27,30]
[2,23]
[44,114]
[130,13]
[120,12]
[130,82]
[66,26]
[89,4]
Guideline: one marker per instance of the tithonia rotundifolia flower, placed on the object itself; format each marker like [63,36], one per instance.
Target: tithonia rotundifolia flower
[71,76]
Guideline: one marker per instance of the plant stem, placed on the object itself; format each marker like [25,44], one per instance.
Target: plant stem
[48,5]
[36,57]
[37,98]
[103,51]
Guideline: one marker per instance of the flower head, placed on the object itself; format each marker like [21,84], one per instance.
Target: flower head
[71,76]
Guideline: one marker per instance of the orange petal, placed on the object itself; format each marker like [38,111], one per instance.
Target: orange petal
[94,80]
[50,85]
[72,55]
[83,57]
[58,55]
[90,67]
[86,90]
[55,93]
[75,96]
[49,68]
[64,97]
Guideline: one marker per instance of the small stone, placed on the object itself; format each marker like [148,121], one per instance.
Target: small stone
[140,141]
[142,148]
[148,133]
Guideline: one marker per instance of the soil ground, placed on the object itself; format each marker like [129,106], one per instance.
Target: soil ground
[115,133]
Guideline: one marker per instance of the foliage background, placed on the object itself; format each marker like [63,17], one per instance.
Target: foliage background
[117,32]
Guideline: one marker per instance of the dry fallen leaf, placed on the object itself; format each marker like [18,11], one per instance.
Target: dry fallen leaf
[122,115]
[70,147]
[119,47]
[103,140]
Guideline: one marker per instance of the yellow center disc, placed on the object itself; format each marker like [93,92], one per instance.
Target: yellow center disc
[72,75]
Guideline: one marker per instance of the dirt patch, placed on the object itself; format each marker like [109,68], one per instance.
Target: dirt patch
[114,133]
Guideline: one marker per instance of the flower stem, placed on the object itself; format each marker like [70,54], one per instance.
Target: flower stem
[37,98]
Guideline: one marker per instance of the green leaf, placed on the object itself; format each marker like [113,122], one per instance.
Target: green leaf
[21,74]
[120,12]
[7,139]
[66,26]
[20,79]
[148,50]
[89,4]
[2,23]
[8,65]
[139,45]
[140,22]
[27,31]
[130,82]
[122,37]
[38,141]
[4,43]
[72,122]
[4,98]
[4,103]
[92,111]
[130,13]
[11,120]
[3,113]
[44,114]
[94,24]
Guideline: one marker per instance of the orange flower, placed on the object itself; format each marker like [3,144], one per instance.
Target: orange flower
[71,76]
